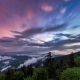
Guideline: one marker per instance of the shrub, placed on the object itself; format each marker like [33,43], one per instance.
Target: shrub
[70,74]
[29,78]
[18,75]
[77,61]
[2,76]
[39,74]
[28,71]
[14,75]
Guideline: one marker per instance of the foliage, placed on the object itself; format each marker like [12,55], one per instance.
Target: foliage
[18,75]
[2,76]
[50,66]
[70,74]
[28,71]
[71,62]
[14,75]
[77,61]
[39,74]
[52,69]
[9,75]
[29,78]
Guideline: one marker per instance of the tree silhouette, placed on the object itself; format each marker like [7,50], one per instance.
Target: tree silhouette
[50,66]
[14,75]
[77,61]
[2,76]
[62,65]
[9,75]
[71,60]
[28,71]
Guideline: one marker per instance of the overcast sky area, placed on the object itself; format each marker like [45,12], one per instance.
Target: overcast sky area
[39,26]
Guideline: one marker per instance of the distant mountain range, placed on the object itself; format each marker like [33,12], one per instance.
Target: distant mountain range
[11,61]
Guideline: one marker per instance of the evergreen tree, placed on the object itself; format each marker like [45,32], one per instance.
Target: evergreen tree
[28,71]
[77,61]
[71,60]
[39,74]
[50,66]
[14,75]
[62,65]
[2,76]
[18,75]
[9,75]
[49,61]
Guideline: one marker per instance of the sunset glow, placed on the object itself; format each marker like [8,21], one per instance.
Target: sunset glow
[39,25]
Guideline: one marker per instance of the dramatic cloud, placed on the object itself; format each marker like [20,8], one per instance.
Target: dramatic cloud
[38,30]
[39,26]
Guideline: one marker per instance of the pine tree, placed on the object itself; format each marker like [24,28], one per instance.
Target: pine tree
[62,65]
[9,75]
[49,64]
[39,74]
[71,60]
[28,71]
[14,75]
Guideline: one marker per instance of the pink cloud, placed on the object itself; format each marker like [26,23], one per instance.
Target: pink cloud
[47,8]
[15,24]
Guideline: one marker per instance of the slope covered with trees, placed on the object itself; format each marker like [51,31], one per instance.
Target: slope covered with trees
[58,68]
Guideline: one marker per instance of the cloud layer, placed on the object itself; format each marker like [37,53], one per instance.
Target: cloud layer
[39,25]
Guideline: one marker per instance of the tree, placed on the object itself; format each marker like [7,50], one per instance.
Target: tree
[70,74]
[39,74]
[18,75]
[9,75]
[28,71]
[2,76]
[50,66]
[71,61]
[29,78]
[77,61]
[62,65]
[49,60]
[14,75]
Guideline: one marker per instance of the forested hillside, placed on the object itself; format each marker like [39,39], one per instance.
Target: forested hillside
[58,68]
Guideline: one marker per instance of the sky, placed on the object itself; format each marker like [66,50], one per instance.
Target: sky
[39,26]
